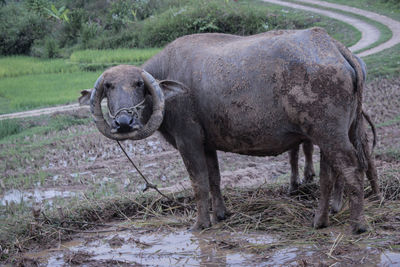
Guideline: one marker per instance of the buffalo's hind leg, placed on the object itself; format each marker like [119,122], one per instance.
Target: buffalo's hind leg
[326,180]
[294,165]
[344,162]
[309,173]
[219,211]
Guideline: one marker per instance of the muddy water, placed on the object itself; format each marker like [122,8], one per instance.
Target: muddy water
[178,247]
[161,248]
[17,196]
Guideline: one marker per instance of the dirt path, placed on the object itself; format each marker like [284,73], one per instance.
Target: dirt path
[392,24]
[370,34]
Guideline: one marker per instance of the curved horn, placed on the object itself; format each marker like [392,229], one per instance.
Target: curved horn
[151,126]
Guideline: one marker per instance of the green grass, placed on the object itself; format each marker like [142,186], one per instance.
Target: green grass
[16,130]
[9,127]
[28,83]
[384,64]
[113,55]
[94,60]
[387,8]
[23,65]
[41,90]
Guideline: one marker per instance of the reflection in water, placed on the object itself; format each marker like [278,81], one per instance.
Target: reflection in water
[390,259]
[178,248]
[182,248]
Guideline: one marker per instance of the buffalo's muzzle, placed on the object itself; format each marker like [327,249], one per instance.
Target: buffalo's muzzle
[125,123]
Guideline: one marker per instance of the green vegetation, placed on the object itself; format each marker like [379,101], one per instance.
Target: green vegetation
[34,91]
[384,64]
[9,127]
[12,130]
[58,28]
[27,82]
[390,8]
[93,60]
[23,65]
[113,56]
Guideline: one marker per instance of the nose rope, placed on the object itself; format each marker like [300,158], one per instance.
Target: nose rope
[131,110]
[148,184]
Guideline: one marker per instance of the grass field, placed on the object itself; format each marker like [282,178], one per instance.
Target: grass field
[28,83]
[23,65]
[113,56]
[41,90]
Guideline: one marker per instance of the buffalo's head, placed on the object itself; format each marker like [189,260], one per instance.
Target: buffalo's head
[135,102]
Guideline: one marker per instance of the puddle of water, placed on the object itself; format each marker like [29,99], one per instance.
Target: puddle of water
[178,248]
[37,195]
[389,258]
[284,257]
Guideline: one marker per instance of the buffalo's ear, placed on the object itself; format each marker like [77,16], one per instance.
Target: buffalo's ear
[84,99]
[172,89]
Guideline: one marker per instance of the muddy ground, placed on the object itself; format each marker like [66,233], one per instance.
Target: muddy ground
[55,170]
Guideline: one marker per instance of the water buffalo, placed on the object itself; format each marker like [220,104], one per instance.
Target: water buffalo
[258,95]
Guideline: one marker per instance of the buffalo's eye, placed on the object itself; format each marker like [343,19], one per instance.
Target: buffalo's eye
[107,85]
[139,83]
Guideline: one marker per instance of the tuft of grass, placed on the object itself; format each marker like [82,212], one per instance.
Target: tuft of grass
[9,127]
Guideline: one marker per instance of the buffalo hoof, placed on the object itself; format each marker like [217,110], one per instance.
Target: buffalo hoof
[293,188]
[358,228]
[219,216]
[320,222]
[309,176]
[199,226]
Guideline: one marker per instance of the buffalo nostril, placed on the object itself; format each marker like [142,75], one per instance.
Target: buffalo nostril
[131,121]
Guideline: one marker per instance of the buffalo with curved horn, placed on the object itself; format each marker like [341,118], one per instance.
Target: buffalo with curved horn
[258,95]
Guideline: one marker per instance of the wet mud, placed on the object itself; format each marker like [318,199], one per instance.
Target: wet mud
[179,247]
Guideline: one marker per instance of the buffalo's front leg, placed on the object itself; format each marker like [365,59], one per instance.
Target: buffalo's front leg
[192,152]
[218,207]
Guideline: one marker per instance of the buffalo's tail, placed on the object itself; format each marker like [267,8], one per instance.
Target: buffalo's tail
[357,131]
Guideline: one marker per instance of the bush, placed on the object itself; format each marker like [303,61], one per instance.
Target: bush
[19,28]
[201,16]
[215,16]
[47,48]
